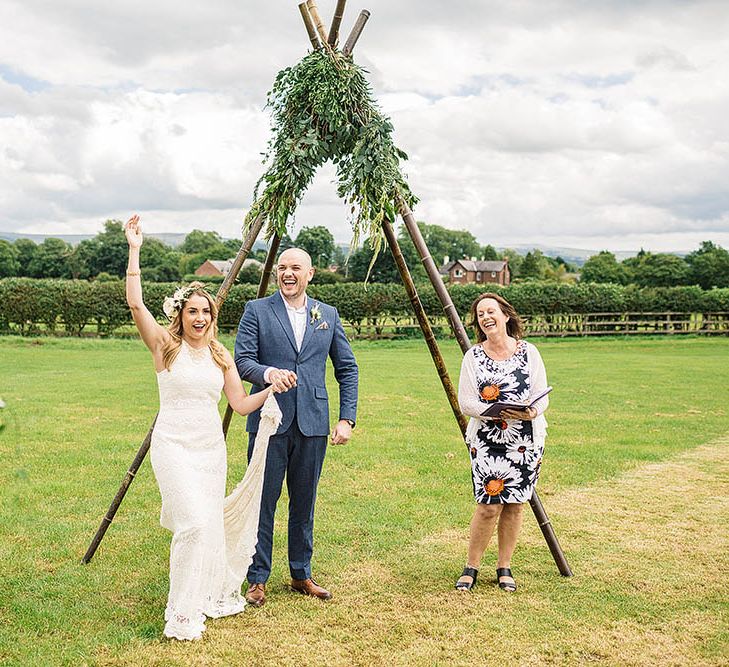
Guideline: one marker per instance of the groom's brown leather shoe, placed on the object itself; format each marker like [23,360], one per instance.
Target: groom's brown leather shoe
[256,595]
[310,587]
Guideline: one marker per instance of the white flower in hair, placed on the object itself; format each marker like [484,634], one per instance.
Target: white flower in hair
[168,306]
[173,304]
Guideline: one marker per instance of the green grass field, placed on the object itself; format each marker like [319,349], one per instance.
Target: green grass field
[635,481]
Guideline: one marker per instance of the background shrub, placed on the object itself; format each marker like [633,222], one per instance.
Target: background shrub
[26,303]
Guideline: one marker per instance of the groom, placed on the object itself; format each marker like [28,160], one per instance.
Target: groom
[285,339]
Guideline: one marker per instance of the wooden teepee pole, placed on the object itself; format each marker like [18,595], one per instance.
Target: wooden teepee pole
[222,293]
[262,287]
[268,266]
[310,28]
[432,270]
[462,337]
[333,36]
[359,25]
[318,23]
[245,249]
[412,293]
[123,488]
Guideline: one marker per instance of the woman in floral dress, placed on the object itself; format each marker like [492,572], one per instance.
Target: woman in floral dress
[506,451]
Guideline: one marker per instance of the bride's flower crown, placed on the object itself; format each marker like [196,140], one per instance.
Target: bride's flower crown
[172,305]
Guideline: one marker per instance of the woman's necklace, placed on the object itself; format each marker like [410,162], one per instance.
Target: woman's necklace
[197,353]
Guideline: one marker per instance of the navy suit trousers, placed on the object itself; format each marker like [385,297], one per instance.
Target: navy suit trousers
[299,459]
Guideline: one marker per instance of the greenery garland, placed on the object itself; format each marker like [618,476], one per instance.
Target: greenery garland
[323,109]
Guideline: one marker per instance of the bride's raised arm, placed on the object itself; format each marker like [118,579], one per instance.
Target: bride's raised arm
[152,333]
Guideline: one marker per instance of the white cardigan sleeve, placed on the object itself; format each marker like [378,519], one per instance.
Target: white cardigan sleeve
[538,379]
[468,397]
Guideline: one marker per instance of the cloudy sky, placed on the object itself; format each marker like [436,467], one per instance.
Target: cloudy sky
[575,123]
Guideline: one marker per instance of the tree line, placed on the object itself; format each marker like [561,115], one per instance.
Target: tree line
[104,257]
[707,267]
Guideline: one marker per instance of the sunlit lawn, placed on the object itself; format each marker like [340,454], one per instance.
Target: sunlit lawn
[392,517]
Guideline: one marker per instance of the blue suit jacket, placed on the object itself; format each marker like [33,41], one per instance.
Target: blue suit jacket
[265,338]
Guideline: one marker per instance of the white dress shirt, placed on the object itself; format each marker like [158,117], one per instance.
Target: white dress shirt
[297,317]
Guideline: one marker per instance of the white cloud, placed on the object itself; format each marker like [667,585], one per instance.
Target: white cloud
[570,123]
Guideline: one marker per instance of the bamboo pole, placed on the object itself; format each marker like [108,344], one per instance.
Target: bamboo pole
[128,478]
[268,266]
[227,418]
[359,25]
[462,337]
[318,23]
[245,249]
[432,270]
[262,287]
[310,29]
[412,293]
[221,295]
[336,22]
[550,536]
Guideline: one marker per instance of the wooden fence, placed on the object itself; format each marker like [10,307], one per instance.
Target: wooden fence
[556,325]
[566,324]
[597,324]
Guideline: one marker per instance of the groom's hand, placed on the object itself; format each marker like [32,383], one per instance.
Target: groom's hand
[282,380]
[342,432]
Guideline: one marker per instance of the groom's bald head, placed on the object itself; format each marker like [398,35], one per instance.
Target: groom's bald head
[296,255]
[294,273]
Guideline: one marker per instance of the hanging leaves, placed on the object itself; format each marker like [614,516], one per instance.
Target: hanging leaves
[323,109]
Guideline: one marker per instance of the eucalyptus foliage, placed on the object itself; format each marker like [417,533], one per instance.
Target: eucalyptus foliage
[323,109]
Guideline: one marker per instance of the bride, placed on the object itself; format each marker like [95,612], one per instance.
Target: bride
[188,448]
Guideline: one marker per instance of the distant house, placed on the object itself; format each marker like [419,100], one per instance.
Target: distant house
[475,271]
[220,267]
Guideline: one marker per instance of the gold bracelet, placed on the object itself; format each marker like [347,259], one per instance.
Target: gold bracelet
[134,273]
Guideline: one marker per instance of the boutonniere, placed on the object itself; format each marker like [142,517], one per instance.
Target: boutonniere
[314,314]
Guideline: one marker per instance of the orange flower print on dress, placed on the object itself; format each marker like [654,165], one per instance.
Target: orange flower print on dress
[490,392]
[504,469]
[494,487]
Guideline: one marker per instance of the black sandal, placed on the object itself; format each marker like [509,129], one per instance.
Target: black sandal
[507,586]
[464,585]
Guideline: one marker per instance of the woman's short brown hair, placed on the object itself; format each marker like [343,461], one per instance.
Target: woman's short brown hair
[513,325]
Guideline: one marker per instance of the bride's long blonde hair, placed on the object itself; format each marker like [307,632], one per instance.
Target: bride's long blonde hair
[171,348]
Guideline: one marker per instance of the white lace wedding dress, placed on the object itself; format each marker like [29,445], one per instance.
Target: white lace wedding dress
[209,555]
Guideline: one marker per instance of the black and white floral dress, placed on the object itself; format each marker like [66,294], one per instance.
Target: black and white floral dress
[506,455]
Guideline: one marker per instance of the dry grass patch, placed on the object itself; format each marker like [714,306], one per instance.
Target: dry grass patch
[649,550]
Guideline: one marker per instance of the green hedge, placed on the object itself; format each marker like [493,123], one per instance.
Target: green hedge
[26,302]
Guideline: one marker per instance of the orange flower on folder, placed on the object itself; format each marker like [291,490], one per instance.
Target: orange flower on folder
[490,392]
